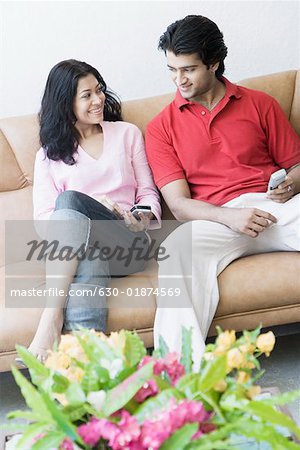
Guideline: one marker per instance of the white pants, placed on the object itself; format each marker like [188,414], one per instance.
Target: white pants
[198,252]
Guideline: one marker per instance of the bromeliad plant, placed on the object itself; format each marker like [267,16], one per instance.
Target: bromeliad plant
[98,392]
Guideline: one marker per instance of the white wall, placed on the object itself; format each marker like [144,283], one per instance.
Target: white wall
[120,39]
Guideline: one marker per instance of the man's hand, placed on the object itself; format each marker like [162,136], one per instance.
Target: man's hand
[137,225]
[249,221]
[284,192]
[111,205]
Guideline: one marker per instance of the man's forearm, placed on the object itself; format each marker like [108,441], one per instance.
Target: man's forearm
[294,174]
[188,209]
[249,221]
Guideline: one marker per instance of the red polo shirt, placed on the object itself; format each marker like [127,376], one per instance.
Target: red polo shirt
[224,153]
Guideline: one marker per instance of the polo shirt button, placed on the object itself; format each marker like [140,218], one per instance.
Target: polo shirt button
[203,113]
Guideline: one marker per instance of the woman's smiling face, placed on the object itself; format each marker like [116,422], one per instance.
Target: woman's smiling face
[88,104]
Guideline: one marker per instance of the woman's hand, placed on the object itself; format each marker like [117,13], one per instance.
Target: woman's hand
[111,205]
[136,225]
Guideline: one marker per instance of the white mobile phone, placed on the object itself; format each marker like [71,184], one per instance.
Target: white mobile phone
[136,209]
[276,178]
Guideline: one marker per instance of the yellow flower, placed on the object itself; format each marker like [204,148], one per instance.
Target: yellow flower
[220,386]
[78,353]
[117,340]
[265,342]
[224,341]
[208,356]
[243,377]
[100,334]
[248,365]
[61,398]
[253,392]
[67,342]
[235,359]
[74,374]
[58,361]
[247,348]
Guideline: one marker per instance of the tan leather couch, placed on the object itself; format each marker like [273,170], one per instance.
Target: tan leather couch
[256,289]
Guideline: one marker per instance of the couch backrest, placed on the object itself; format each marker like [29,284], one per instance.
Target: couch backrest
[19,140]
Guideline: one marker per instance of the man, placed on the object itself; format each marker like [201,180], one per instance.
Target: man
[212,151]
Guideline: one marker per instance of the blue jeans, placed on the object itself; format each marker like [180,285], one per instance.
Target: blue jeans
[103,247]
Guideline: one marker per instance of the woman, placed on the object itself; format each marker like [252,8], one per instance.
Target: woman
[90,171]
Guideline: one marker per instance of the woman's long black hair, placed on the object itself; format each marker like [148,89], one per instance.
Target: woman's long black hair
[58,135]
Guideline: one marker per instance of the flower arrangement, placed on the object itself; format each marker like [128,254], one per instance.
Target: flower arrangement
[99,392]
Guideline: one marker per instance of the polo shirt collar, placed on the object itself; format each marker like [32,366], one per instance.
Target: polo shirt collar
[232,90]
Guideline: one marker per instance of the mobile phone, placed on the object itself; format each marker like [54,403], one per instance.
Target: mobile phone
[276,178]
[136,209]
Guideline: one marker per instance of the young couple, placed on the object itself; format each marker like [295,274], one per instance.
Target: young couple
[211,151]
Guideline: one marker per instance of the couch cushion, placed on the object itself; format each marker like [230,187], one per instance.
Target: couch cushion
[272,280]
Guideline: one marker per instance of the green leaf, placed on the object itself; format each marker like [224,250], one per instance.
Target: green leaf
[186,349]
[94,378]
[252,335]
[40,375]
[181,437]
[32,362]
[213,372]
[209,400]
[282,399]
[32,397]
[161,383]
[232,400]
[269,414]
[117,397]
[60,383]
[125,373]
[163,348]
[17,427]
[265,433]
[32,431]
[75,394]
[94,347]
[215,445]
[218,435]
[49,442]
[189,384]
[153,405]
[60,418]
[19,414]
[74,413]
[134,348]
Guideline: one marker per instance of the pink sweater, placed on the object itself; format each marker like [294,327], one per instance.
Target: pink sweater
[122,173]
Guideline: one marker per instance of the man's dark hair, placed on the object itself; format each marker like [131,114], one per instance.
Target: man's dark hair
[58,135]
[196,34]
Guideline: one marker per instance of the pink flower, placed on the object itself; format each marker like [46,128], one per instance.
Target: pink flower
[66,444]
[155,432]
[91,432]
[149,389]
[128,435]
[172,366]
[158,364]
[109,430]
[38,437]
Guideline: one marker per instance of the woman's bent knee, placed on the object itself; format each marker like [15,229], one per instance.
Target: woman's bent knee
[69,200]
